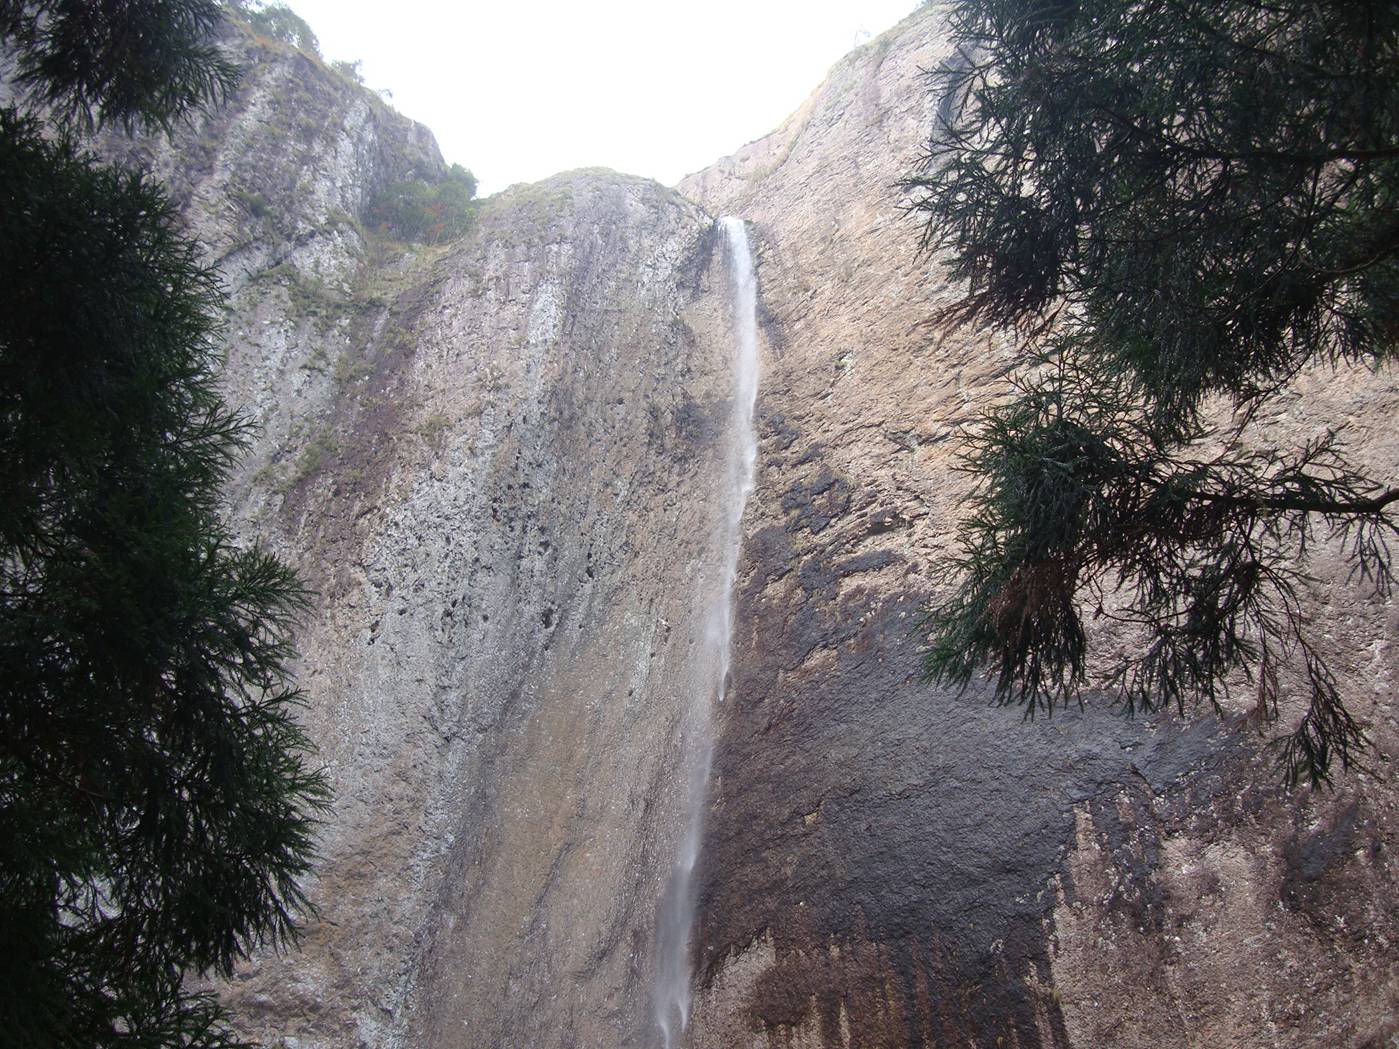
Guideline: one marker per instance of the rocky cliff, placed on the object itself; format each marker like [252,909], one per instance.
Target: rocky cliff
[492,460]
[495,461]
[888,865]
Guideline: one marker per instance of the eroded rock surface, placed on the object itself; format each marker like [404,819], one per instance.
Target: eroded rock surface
[502,524]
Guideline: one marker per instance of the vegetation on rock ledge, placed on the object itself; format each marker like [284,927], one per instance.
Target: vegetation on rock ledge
[277,21]
[425,212]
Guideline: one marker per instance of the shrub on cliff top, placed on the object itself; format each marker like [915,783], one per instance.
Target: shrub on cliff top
[429,213]
[277,21]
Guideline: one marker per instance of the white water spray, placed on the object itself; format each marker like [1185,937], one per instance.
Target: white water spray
[675,920]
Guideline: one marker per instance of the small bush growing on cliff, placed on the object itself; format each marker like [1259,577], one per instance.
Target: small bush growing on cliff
[1172,207]
[423,212]
[255,204]
[350,70]
[279,22]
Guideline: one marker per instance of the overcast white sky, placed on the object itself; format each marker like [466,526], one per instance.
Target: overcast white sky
[520,89]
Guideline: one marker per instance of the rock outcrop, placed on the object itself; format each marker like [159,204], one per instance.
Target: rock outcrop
[493,461]
[502,512]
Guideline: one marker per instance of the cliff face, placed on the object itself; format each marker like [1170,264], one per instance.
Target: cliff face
[496,460]
[493,461]
[888,865]
[502,510]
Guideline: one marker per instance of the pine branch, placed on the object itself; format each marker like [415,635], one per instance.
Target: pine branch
[1300,504]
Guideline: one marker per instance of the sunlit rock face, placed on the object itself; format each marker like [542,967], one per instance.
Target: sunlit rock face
[498,463]
[889,865]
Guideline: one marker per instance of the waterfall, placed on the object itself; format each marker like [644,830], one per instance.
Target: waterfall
[715,609]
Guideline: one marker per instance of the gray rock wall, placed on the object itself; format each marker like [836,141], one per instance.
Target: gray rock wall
[504,538]
[493,461]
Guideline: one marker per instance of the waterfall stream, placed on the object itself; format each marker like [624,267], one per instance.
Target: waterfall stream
[715,597]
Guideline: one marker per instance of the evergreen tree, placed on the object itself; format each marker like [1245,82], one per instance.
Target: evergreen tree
[156,805]
[1174,206]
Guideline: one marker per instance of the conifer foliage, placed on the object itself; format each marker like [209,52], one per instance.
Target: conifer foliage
[1174,206]
[156,802]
